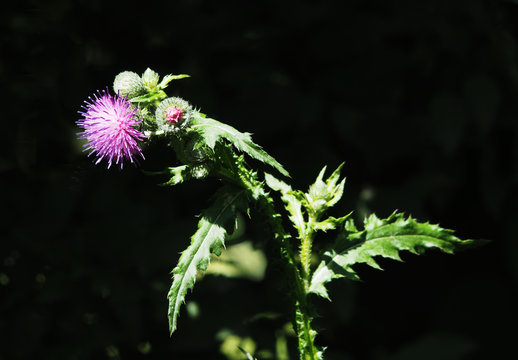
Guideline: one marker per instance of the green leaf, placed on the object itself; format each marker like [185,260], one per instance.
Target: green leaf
[291,200]
[384,238]
[212,131]
[180,174]
[330,223]
[168,78]
[209,238]
[149,97]
[324,194]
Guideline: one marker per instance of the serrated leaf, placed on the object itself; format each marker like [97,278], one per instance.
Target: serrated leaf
[330,223]
[276,184]
[209,238]
[180,174]
[143,98]
[212,131]
[149,97]
[384,238]
[350,227]
[168,78]
[291,201]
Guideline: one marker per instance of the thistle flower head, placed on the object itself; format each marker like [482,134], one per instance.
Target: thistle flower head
[109,125]
[173,114]
[128,84]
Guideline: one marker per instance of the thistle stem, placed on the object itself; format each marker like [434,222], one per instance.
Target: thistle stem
[300,277]
[305,256]
[307,348]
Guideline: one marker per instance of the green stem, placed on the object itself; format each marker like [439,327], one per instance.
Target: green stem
[307,348]
[305,256]
[299,278]
[305,333]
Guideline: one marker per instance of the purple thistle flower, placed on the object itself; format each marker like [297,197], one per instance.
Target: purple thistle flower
[173,114]
[110,127]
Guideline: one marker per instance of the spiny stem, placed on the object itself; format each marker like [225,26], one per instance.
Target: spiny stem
[300,278]
[307,347]
[305,256]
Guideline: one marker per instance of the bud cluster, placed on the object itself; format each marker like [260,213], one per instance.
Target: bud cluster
[139,109]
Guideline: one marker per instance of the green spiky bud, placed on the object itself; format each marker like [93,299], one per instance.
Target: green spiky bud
[128,83]
[324,194]
[173,114]
[200,171]
[150,79]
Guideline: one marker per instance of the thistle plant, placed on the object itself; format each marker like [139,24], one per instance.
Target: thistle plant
[115,126]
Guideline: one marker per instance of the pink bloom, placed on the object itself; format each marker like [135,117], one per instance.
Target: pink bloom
[173,114]
[109,125]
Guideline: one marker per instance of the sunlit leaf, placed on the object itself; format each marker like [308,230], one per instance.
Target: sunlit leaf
[381,237]
[209,238]
[291,202]
[212,131]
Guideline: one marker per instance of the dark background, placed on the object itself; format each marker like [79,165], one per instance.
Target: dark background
[419,98]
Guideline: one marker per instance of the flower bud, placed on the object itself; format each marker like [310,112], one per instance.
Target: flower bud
[200,171]
[128,84]
[173,114]
[324,194]
[150,79]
